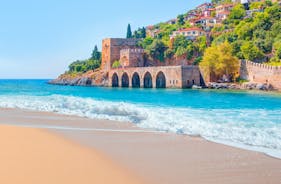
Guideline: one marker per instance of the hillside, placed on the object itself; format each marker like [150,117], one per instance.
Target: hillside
[213,35]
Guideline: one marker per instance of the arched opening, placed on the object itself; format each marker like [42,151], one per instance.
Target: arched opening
[160,80]
[115,80]
[136,80]
[125,80]
[147,80]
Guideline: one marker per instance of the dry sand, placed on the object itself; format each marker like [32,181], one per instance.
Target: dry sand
[32,156]
[153,157]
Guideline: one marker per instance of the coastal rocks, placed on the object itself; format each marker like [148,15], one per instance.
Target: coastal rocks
[214,85]
[72,82]
[243,86]
[90,78]
[257,86]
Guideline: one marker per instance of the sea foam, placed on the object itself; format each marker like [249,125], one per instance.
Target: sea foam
[234,127]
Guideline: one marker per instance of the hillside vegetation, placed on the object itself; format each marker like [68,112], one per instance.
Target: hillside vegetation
[82,66]
[255,37]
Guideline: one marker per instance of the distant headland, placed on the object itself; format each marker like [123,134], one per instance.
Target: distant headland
[222,44]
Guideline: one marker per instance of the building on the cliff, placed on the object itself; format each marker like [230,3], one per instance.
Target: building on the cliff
[223,10]
[135,73]
[190,33]
[207,23]
[205,6]
[172,21]
[151,31]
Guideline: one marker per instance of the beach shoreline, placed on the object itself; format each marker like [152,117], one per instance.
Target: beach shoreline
[30,156]
[156,157]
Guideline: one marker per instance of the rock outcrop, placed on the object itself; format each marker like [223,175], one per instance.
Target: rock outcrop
[243,86]
[90,78]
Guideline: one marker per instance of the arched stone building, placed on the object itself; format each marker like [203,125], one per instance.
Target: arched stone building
[155,77]
[133,73]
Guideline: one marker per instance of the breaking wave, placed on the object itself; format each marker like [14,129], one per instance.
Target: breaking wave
[233,127]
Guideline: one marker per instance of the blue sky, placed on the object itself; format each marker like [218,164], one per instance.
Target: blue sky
[39,38]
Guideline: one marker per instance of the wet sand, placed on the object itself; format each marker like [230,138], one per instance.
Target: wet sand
[154,157]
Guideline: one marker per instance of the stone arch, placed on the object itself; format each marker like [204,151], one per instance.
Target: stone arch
[147,80]
[160,80]
[136,80]
[125,80]
[115,80]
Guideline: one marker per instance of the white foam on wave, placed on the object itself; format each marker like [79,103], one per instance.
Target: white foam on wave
[257,129]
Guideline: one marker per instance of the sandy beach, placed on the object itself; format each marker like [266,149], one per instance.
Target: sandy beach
[33,156]
[54,148]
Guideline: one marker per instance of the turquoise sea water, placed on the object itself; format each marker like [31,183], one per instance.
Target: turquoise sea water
[251,120]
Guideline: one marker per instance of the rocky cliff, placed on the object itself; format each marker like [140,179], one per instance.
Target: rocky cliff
[90,78]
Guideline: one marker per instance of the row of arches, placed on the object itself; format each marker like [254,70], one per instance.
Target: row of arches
[136,80]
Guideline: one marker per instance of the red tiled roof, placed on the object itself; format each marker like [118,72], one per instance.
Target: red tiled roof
[224,13]
[207,17]
[150,27]
[191,29]
[204,5]
[225,5]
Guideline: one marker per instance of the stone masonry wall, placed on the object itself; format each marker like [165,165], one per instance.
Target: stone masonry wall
[132,57]
[190,76]
[176,76]
[261,73]
[111,48]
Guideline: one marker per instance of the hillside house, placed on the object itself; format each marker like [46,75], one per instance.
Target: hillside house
[190,33]
[172,21]
[151,31]
[223,10]
[207,23]
[204,7]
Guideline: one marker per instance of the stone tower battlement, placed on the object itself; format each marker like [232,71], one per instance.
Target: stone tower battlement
[263,67]
[132,57]
[132,51]
[111,48]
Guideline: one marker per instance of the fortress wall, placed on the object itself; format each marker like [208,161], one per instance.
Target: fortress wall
[261,73]
[190,76]
[111,48]
[176,76]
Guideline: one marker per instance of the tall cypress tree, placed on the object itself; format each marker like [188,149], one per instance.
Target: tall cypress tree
[96,55]
[143,32]
[129,31]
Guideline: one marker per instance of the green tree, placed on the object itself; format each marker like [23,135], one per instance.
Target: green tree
[157,49]
[251,52]
[143,32]
[129,31]
[201,44]
[180,51]
[116,64]
[180,41]
[238,12]
[145,43]
[181,20]
[219,61]
[96,55]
